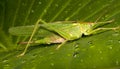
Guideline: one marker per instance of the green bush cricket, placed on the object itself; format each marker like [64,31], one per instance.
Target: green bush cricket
[60,32]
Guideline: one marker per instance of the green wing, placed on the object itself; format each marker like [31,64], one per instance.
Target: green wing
[69,31]
[66,29]
[27,31]
[21,30]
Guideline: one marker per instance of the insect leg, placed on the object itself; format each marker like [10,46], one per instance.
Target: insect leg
[99,30]
[98,24]
[61,44]
[28,44]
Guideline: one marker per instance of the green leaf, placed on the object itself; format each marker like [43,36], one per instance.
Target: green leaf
[100,51]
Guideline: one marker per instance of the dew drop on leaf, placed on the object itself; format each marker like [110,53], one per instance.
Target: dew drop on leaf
[76,51]
[23,61]
[52,64]
[5,60]
[110,41]
[51,53]
[100,51]
[110,47]
[89,8]
[81,60]
[80,4]
[24,4]
[117,62]
[66,11]
[90,56]
[101,58]
[106,16]
[115,34]
[34,55]
[39,2]
[75,54]
[111,0]
[32,11]
[56,5]
[7,66]
[45,11]
[94,66]
[90,42]
[92,46]
[118,41]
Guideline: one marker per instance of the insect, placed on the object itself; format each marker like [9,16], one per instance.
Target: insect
[59,32]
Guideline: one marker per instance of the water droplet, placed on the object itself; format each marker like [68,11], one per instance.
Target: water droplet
[79,4]
[23,61]
[76,51]
[106,16]
[118,41]
[76,47]
[118,50]
[52,64]
[51,53]
[110,47]
[75,54]
[45,11]
[5,60]
[101,58]
[24,4]
[110,40]
[39,2]
[90,56]
[115,34]
[66,11]
[94,66]
[46,46]
[68,54]
[103,18]
[34,55]
[90,42]
[92,46]
[89,8]
[32,11]
[56,5]
[100,51]
[7,66]
[117,62]
[111,1]
[81,60]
